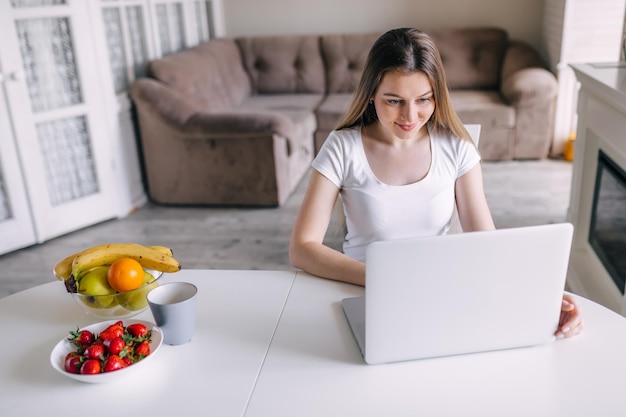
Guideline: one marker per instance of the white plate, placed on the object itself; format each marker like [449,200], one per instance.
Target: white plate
[57,357]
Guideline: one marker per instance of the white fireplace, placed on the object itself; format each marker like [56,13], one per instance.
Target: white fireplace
[598,195]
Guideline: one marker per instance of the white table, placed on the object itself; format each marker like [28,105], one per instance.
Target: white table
[213,375]
[277,344]
[583,376]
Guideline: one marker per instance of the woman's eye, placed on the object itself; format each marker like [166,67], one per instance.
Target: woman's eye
[424,100]
[391,101]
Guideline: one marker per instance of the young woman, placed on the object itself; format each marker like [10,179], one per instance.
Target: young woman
[400,159]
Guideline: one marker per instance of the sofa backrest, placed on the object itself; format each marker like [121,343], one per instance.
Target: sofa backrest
[344,57]
[211,74]
[283,64]
[221,73]
[472,57]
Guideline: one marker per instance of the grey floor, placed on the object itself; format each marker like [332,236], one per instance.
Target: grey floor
[520,193]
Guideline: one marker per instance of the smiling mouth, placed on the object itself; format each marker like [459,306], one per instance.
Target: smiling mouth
[407,128]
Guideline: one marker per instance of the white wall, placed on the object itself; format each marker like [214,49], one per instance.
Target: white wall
[578,31]
[522,19]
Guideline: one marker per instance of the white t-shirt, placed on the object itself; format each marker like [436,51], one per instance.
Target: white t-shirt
[377,211]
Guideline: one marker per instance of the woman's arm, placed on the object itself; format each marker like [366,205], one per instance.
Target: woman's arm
[471,202]
[306,249]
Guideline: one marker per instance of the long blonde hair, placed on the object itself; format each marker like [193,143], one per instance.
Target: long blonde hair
[408,50]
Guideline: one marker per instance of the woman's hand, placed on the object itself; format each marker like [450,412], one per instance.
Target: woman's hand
[571,321]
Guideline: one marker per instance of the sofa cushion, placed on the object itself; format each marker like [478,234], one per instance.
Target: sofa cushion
[331,109]
[210,75]
[482,107]
[472,57]
[282,102]
[298,108]
[344,56]
[328,114]
[283,64]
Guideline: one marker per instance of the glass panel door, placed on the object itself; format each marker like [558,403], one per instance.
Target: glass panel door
[126,36]
[203,11]
[16,226]
[171,26]
[124,52]
[56,113]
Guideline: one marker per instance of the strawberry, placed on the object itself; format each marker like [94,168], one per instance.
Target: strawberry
[91,366]
[73,362]
[95,351]
[81,338]
[114,363]
[113,331]
[137,329]
[115,346]
[142,350]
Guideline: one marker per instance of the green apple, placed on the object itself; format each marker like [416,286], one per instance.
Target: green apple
[96,284]
[136,299]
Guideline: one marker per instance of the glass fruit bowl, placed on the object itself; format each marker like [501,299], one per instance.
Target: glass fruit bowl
[119,305]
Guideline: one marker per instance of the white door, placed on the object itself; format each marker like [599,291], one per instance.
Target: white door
[57,114]
[132,32]
[16,226]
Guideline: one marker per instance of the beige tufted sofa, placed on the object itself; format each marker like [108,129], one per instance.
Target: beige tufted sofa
[238,121]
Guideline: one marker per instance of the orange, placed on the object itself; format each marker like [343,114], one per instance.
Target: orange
[125,274]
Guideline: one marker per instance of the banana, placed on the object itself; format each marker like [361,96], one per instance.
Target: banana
[107,254]
[163,249]
[63,268]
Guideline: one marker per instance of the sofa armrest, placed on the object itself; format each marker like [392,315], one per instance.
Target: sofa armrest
[236,124]
[183,114]
[158,99]
[525,79]
[529,86]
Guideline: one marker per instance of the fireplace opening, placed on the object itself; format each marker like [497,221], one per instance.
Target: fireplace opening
[607,232]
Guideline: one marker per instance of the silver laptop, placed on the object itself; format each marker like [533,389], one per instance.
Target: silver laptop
[461,293]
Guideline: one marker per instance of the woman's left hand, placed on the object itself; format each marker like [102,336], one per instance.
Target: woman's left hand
[571,321]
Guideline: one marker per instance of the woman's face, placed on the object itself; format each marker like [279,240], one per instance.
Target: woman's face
[404,103]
